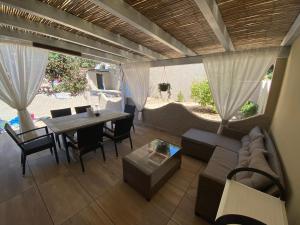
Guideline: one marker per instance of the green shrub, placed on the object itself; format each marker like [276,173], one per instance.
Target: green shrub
[180,97]
[249,109]
[201,93]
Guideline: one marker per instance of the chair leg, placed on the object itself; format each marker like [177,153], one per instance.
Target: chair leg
[133,128]
[57,140]
[51,150]
[130,141]
[66,147]
[81,162]
[22,158]
[24,164]
[116,148]
[55,154]
[103,153]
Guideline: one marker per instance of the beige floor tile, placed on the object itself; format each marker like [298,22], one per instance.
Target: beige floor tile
[64,197]
[191,164]
[91,215]
[132,209]
[26,208]
[12,182]
[182,179]
[172,222]
[96,179]
[45,168]
[9,151]
[184,214]
[168,198]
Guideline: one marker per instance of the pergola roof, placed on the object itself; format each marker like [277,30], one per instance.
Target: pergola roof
[133,30]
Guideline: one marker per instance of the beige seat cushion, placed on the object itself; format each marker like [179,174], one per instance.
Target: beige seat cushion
[255,180]
[220,164]
[201,136]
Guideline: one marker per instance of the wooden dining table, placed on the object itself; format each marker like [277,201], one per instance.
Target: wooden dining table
[72,123]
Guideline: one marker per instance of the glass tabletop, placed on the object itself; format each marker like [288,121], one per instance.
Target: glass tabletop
[152,155]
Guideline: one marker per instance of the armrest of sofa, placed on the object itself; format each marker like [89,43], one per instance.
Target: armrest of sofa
[209,193]
[273,179]
[232,133]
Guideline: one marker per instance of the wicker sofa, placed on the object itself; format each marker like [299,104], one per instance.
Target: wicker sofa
[221,154]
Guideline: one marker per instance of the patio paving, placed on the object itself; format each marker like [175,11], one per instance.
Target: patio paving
[51,194]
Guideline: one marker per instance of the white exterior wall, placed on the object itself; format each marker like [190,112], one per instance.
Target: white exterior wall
[180,77]
[92,80]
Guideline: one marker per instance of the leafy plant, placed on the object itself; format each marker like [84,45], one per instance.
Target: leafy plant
[180,97]
[67,71]
[249,109]
[201,93]
[164,86]
[270,71]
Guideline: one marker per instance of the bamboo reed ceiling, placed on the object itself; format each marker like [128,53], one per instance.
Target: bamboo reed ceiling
[92,13]
[258,23]
[183,20]
[12,11]
[250,23]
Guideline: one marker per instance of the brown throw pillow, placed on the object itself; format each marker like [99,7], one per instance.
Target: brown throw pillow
[255,133]
[257,181]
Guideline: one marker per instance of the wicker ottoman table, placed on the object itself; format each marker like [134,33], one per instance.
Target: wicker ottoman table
[149,167]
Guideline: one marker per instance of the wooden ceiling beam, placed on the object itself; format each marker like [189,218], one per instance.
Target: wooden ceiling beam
[124,11]
[59,44]
[292,34]
[44,29]
[48,12]
[212,14]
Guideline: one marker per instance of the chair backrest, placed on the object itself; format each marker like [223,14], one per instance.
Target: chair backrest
[129,109]
[89,137]
[82,109]
[123,126]
[61,112]
[13,134]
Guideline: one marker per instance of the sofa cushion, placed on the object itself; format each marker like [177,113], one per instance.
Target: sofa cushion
[245,141]
[255,133]
[243,161]
[220,164]
[209,138]
[255,180]
[258,143]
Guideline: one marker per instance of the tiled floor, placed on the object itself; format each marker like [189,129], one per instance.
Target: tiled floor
[62,194]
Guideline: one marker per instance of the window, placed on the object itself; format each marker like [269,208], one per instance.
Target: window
[100,83]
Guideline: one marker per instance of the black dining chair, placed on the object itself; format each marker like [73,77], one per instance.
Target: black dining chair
[127,109]
[82,109]
[59,113]
[131,110]
[120,132]
[37,144]
[87,139]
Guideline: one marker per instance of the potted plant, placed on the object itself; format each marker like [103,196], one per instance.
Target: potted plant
[164,87]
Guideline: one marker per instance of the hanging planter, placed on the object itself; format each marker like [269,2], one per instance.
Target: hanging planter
[164,87]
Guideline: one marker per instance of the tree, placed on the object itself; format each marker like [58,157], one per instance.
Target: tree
[67,71]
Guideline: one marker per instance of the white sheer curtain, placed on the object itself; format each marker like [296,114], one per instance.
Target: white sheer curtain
[116,74]
[234,76]
[22,69]
[263,95]
[137,79]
